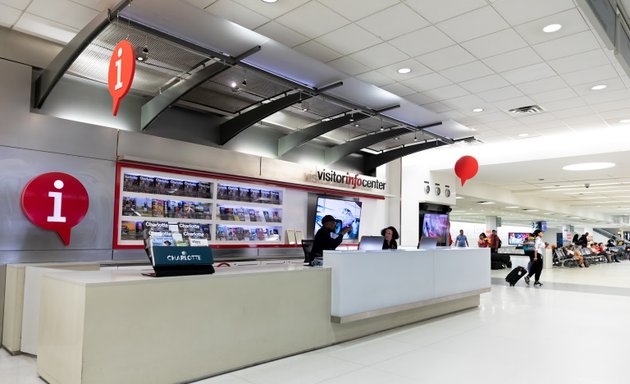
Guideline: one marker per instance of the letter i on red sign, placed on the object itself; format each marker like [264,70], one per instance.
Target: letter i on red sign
[122,67]
[56,202]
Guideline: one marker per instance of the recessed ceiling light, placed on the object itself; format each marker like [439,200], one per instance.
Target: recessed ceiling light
[402,71]
[478,110]
[486,202]
[552,28]
[269,1]
[588,166]
[599,87]
[523,135]
[531,210]
[624,121]
[458,197]
[512,207]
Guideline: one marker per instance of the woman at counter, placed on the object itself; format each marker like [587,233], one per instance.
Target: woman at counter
[391,235]
[483,241]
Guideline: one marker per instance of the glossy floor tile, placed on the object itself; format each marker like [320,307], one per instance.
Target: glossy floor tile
[575,329]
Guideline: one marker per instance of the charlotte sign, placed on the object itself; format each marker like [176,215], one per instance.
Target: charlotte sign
[346,180]
[56,202]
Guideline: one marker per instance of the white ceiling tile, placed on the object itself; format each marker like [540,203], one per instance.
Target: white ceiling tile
[580,61]
[453,114]
[484,83]
[63,12]
[393,21]
[572,112]
[559,105]
[512,60]
[420,99]
[356,9]
[495,44]
[348,65]
[558,94]
[591,75]
[230,10]
[448,92]
[567,46]
[585,122]
[46,29]
[8,16]
[375,78]
[529,73]
[613,85]
[271,10]
[508,123]
[399,89]
[519,11]
[465,103]
[417,69]
[571,21]
[616,114]
[468,71]
[427,82]
[422,41]
[349,39]
[612,105]
[494,117]
[379,56]
[101,5]
[500,94]
[282,34]
[605,97]
[479,22]
[202,4]
[437,107]
[516,102]
[438,10]
[446,58]
[538,119]
[312,20]
[317,51]
[544,85]
[17,4]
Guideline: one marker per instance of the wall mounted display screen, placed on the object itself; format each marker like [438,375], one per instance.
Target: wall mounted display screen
[436,225]
[347,213]
[517,238]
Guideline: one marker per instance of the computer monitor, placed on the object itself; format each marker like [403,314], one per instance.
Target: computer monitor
[428,243]
[371,243]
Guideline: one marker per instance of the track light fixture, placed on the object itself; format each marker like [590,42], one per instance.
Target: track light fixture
[351,117]
[142,54]
[304,106]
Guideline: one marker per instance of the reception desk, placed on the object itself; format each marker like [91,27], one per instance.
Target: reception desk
[121,327]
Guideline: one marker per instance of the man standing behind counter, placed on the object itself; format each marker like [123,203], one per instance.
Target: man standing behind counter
[324,240]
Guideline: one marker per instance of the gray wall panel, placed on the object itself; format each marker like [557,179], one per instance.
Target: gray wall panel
[22,129]
[20,166]
[138,255]
[12,257]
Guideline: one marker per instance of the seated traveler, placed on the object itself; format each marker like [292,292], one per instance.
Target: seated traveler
[391,235]
[576,256]
[324,240]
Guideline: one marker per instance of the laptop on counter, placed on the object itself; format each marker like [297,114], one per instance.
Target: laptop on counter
[371,243]
[428,243]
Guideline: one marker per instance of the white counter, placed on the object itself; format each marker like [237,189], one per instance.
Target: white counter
[369,283]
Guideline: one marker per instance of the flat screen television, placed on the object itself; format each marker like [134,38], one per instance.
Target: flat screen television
[517,238]
[347,213]
[437,226]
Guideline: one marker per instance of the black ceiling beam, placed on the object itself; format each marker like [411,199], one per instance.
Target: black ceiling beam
[338,152]
[370,163]
[154,107]
[238,124]
[51,75]
[303,136]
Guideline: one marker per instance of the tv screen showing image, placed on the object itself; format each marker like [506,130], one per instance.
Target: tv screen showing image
[347,213]
[517,238]
[437,226]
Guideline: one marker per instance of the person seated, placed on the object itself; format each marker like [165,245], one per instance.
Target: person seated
[577,255]
[391,235]
[325,238]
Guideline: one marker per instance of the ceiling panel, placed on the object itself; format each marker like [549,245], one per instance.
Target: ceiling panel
[446,58]
[479,22]
[271,11]
[422,41]
[529,73]
[16,4]
[512,60]
[469,71]
[518,11]
[8,16]
[393,22]
[399,89]
[44,28]
[571,22]
[484,83]
[494,44]
[312,20]
[558,94]
[349,39]
[544,85]
[282,34]
[231,10]
[438,10]
[427,82]
[348,65]
[591,75]
[417,69]
[500,94]
[356,9]
[317,51]
[63,11]
[567,46]
[376,78]
[580,61]
[448,92]
[379,55]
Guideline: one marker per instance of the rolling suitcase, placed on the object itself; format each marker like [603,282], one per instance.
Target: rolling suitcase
[515,275]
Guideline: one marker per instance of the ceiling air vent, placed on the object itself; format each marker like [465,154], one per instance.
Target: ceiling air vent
[526,110]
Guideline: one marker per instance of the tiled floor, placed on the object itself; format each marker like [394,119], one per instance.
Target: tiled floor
[575,329]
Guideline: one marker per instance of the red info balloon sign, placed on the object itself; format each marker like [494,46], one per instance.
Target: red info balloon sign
[466,168]
[55,201]
[122,67]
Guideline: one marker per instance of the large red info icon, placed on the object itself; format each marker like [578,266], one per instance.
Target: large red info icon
[55,201]
[122,66]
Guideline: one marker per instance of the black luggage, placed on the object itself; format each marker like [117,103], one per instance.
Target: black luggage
[515,275]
